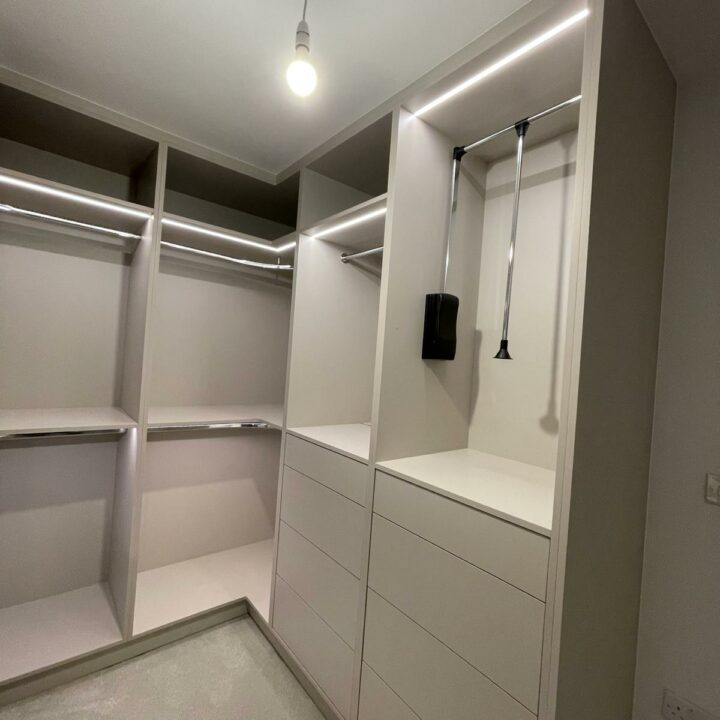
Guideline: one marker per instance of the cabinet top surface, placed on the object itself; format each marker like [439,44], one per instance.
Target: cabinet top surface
[520,493]
[352,440]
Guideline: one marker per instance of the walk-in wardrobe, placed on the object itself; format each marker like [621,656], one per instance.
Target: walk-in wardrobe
[215,401]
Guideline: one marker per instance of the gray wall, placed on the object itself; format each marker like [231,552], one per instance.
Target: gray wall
[679,643]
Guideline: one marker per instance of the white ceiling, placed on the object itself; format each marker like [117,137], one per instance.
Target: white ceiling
[212,71]
[688,32]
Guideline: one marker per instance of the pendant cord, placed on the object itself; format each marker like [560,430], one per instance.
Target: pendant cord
[304,9]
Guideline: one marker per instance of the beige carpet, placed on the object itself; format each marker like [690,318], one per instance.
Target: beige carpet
[228,673]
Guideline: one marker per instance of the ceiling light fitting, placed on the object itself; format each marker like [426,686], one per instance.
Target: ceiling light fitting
[301,75]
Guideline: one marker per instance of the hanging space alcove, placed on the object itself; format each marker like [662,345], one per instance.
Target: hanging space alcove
[219,354]
[76,205]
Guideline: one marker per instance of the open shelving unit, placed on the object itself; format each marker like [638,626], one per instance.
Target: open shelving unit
[335,326]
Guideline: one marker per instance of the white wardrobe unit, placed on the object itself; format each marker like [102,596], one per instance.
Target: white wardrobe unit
[70,374]
[322,532]
[216,394]
[508,507]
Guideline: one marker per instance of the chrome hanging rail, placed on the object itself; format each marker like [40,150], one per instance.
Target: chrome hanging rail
[349,257]
[520,129]
[227,258]
[243,425]
[61,434]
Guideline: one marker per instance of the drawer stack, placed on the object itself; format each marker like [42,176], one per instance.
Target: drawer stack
[319,554]
[455,610]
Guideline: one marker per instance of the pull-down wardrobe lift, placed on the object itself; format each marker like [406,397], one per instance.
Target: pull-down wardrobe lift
[430,543]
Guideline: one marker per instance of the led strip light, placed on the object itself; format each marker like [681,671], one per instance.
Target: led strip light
[226,236]
[350,223]
[73,197]
[504,61]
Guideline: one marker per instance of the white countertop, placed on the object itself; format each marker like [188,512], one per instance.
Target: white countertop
[352,439]
[520,493]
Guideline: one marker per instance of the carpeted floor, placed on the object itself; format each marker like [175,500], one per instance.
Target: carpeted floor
[228,673]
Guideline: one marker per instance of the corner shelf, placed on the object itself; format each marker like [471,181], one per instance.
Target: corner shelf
[517,492]
[360,236]
[42,633]
[272,414]
[351,440]
[44,420]
[179,591]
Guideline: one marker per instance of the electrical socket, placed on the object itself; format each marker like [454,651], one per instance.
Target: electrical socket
[675,708]
[712,489]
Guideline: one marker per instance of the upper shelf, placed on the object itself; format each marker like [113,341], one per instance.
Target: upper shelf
[358,228]
[517,492]
[47,198]
[44,420]
[521,75]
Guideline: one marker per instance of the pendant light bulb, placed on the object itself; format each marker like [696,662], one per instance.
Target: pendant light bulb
[301,75]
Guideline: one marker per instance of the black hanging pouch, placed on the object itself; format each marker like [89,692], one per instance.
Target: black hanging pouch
[439,335]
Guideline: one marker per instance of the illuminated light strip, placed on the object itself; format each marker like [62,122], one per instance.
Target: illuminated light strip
[350,223]
[73,197]
[64,221]
[225,236]
[217,256]
[503,62]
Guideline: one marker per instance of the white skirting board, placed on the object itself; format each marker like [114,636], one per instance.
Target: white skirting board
[176,592]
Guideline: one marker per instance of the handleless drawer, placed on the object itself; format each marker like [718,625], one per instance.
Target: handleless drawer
[514,554]
[321,651]
[492,625]
[378,701]
[327,587]
[435,682]
[341,474]
[328,520]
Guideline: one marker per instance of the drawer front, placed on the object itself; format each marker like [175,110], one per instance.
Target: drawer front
[431,679]
[330,521]
[323,654]
[494,626]
[378,701]
[507,551]
[328,588]
[341,474]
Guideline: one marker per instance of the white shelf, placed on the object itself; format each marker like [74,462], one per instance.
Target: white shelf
[181,590]
[202,414]
[71,203]
[352,439]
[63,420]
[44,632]
[520,493]
[360,236]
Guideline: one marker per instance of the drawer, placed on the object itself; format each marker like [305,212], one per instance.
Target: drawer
[495,627]
[330,521]
[378,701]
[341,474]
[328,588]
[512,553]
[431,679]
[323,654]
